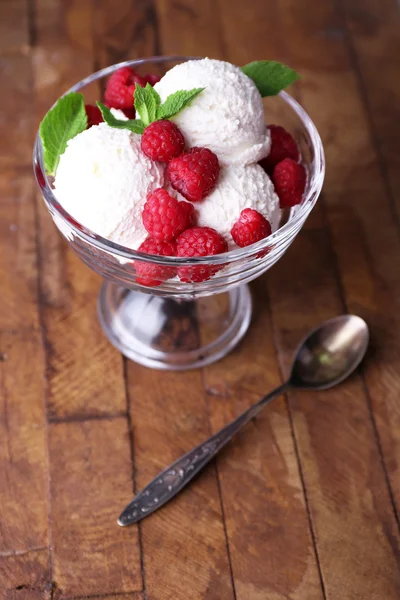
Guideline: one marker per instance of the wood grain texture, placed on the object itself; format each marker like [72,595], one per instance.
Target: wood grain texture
[184,546]
[14,27]
[265,489]
[90,472]
[166,420]
[23,460]
[302,506]
[78,383]
[374,44]
[374,28]
[25,576]
[335,436]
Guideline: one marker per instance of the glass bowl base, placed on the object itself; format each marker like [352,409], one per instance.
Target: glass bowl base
[172,334]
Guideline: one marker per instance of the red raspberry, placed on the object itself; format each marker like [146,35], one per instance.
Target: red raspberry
[150,274]
[251,227]
[195,173]
[199,241]
[162,141]
[188,208]
[289,179]
[94,116]
[151,78]
[164,217]
[283,146]
[121,87]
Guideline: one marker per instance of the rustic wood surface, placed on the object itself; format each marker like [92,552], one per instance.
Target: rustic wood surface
[305,504]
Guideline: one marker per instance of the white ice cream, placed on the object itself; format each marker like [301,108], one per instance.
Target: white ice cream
[103,179]
[227,116]
[238,187]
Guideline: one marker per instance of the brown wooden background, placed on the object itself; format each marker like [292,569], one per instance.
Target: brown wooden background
[305,504]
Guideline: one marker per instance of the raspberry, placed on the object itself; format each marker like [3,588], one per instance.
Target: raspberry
[150,274]
[282,146]
[199,241]
[151,78]
[195,173]
[251,227]
[289,179]
[189,211]
[94,115]
[162,141]
[121,87]
[129,112]
[164,217]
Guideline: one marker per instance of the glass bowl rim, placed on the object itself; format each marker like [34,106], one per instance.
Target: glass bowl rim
[128,254]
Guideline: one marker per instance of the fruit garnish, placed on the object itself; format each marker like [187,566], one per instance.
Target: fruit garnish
[289,178]
[150,274]
[162,141]
[270,76]
[164,217]
[283,146]
[94,115]
[251,227]
[121,87]
[194,174]
[148,106]
[64,121]
[199,241]
[151,78]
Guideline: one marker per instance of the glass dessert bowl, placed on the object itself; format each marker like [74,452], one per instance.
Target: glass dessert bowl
[177,325]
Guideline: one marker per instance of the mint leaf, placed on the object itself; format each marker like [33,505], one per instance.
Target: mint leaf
[63,122]
[146,102]
[176,102]
[134,125]
[270,76]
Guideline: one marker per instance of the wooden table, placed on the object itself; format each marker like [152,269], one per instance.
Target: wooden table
[305,503]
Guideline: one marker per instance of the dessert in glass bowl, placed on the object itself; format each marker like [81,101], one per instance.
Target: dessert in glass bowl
[179,190]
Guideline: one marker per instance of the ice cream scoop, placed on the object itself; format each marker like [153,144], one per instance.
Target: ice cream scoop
[103,179]
[227,117]
[238,187]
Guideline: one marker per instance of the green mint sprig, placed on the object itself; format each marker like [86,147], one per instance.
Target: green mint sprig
[63,122]
[135,125]
[270,76]
[149,107]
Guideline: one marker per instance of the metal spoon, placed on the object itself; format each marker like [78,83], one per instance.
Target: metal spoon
[325,357]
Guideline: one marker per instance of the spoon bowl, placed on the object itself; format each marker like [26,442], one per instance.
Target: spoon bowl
[330,353]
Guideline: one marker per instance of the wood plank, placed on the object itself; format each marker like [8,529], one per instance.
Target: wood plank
[351,506]
[190,28]
[25,576]
[364,230]
[124,29]
[268,533]
[18,261]
[134,596]
[90,458]
[184,546]
[16,114]
[23,453]
[90,475]
[266,518]
[374,27]
[78,383]
[374,31]
[14,28]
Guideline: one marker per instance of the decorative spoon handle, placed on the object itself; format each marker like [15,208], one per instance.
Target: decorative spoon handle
[174,478]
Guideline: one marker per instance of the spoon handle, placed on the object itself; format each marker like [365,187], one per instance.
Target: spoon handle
[174,478]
